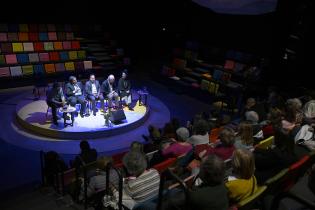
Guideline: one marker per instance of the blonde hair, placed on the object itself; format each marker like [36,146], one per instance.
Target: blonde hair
[246,133]
[243,163]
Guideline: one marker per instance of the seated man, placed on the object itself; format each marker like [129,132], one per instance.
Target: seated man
[74,92]
[124,89]
[108,87]
[55,99]
[93,92]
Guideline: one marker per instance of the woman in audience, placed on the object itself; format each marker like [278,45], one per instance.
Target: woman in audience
[200,136]
[225,148]
[142,184]
[253,117]
[293,116]
[179,147]
[244,138]
[242,183]
[211,194]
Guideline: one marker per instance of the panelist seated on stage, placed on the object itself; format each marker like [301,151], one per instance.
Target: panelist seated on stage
[109,90]
[124,89]
[55,98]
[74,92]
[93,92]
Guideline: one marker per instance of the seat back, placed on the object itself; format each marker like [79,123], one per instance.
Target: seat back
[249,202]
[149,155]
[276,182]
[117,158]
[296,170]
[265,144]
[164,165]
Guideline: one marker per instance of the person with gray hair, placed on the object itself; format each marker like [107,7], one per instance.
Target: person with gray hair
[179,147]
[109,90]
[74,92]
[252,105]
[253,117]
[142,184]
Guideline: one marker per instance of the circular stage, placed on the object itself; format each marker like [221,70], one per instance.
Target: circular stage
[16,134]
[32,116]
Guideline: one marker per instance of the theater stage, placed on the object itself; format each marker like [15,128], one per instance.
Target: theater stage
[32,116]
[112,141]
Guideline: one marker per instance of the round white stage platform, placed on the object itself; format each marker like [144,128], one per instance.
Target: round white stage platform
[32,116]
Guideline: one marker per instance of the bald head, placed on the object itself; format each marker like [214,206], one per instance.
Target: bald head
[111,78]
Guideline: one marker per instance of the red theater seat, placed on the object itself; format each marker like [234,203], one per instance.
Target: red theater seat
[38,46]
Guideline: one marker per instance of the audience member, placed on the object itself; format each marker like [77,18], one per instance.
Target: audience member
[242,183]
[200,133]
[179,147]
[86,156]
[211,194]
[244,138]
[142,184]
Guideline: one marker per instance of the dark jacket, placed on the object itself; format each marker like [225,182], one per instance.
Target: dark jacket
[70,89]
[209,198]
[269,162]
[106,89]
[88,87]
[54,96]
[124,86]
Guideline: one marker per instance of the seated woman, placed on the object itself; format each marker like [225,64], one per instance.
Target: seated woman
[179,147]
[142,184]
[244,138]
[242,183]
[225,148]
[211,194]
[200,133]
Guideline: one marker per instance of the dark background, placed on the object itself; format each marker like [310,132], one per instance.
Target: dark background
[138,26]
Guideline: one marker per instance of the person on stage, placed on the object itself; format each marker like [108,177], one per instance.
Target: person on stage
[109,90]
[93,92]
[55,99]
[124,89]
[74,92]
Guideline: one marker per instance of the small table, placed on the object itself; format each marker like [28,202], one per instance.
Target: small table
[64,112]
[143,95]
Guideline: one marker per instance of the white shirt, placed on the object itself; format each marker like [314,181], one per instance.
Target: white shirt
[94,91]
[76,87]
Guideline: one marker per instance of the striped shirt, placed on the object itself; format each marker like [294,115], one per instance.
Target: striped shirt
[141,188]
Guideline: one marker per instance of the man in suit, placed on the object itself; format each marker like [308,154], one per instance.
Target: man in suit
[74,92]
[124,89]
[93,92]
[109,89]
[55,99]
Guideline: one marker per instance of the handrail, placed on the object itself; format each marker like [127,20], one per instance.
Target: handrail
[110,166]
[169,173]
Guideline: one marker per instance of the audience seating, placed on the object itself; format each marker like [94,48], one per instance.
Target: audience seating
[265,144]
[34,44]
[250,202]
